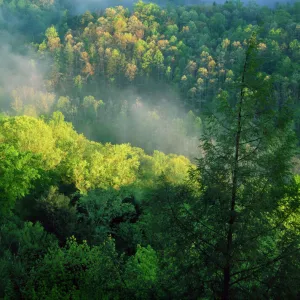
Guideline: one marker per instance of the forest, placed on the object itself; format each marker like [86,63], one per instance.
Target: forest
[149,150]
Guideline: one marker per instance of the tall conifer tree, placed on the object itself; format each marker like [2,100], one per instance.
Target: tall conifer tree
[248,190]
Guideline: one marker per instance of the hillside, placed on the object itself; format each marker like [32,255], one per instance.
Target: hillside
[149,151]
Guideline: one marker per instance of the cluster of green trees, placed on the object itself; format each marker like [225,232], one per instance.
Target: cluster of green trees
[85,220]
[55,185]
[197,49]
[104,219]
[29,17]
[102,62]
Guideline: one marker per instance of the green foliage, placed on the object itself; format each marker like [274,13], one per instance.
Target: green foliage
[245,175]
[76,271]
[21,248]
[173,167]
[141,272]
[56,213]
[18,171]
[33,16]
[86,215]
[32,135]
[101,54]
[75,160]
[102,213]
[169,226]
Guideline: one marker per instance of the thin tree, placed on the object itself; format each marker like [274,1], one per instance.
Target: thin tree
[248,190]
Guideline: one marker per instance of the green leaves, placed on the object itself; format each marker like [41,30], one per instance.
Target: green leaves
[22,246]
[102,212]
[18,170]
[245,173]
[141,272]
[77,271]
[32,135]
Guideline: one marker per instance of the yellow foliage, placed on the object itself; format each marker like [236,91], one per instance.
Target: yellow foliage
[89,165]
[203,72]
[30,134]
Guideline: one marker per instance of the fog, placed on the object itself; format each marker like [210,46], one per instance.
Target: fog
[18,70]
[21,76]
[151,121]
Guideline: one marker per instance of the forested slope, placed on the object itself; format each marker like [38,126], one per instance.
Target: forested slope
[123,75]
[149,152]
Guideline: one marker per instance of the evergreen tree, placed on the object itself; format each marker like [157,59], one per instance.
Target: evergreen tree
[248,190]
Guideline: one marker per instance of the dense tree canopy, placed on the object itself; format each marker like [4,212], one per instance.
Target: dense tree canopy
[149,151]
